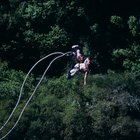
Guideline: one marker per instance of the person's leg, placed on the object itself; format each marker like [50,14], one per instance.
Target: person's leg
[71,67]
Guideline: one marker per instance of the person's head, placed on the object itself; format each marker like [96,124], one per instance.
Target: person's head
[87,61]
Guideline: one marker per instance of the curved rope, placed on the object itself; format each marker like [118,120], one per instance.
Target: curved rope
[21,90]
[62,54]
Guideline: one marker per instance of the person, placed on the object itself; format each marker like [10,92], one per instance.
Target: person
[83,67]
[77,57]
[77,53]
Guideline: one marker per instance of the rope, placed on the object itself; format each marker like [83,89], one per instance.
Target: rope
[21,90]
[62,54]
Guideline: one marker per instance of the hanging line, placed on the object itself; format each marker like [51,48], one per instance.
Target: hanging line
[62,54]
[21,89]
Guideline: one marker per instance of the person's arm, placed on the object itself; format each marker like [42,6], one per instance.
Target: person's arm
[85,78]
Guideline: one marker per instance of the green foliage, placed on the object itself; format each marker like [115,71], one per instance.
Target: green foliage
[46,26]
[108,107]
[133,25]
[10,82]
[32,12]
[94,28]
[56,38]
[117,20]
[131,58]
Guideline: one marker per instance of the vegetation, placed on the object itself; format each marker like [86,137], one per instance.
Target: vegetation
[108,108]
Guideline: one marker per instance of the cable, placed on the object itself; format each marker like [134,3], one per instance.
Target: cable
[31,96]
[62,54]
[21,90]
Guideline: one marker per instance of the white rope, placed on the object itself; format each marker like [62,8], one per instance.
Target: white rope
[21,89]
[62,54]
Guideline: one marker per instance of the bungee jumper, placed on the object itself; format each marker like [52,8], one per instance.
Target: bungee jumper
[77,57]
[83,67]
[78,63]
